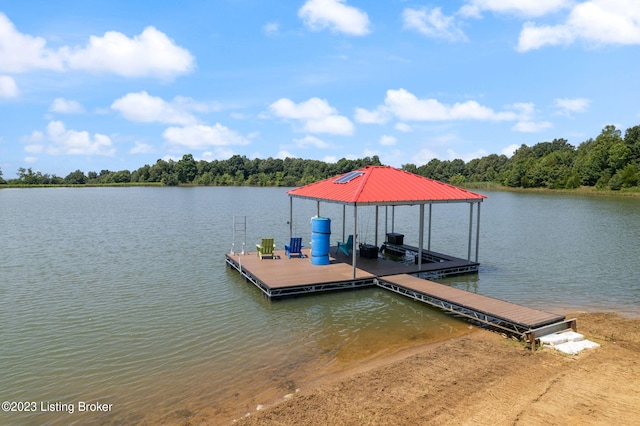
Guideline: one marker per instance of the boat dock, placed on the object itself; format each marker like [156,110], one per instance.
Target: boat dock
[494,313]
[281,277]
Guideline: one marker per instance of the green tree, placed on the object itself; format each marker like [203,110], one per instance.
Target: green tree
[457,179]
[619,156]
[142,174]
[186,169]
[28,177]
[411,168]
[486,169]
[615,183]
[169,179]
[161,171]
[235,164]
[205,178]
[239,178]
[224,180]
[122,176]
[593,157]
[629,176]
[75,178]
[632,140]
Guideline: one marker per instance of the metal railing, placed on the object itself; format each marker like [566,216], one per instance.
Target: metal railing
[239,227]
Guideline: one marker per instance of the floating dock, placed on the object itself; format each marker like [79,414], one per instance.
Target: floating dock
[281,277]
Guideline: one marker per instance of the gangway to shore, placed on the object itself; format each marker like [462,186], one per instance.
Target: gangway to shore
[509,317]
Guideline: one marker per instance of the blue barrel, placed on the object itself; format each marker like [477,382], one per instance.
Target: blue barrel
[320,240]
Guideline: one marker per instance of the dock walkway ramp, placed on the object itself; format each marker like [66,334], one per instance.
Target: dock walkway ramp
[488,311]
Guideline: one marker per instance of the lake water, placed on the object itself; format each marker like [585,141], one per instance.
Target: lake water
[121,295]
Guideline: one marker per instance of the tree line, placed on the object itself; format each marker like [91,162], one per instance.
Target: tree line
[611,160]
[608,161]
[235,171]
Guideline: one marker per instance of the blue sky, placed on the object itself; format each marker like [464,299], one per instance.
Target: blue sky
[115,85]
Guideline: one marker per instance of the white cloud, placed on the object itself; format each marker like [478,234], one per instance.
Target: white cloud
[335,15]
[21,52]
[387,140]
[595,21]
[311,141]
[143,108]
[271,28]
[526,118]
[532,126]
[534,37]
[66,106]
[370,117]
[73,142]
[35,137]
[527,8]
[334,124]
[525,110]
[8,86]
[407,107]
[151,53]
[202,137]
[316,116]
[394,157]
[219,153]
[432,23]
[509,150]
[314,108]
[141,148]
[285,154]
[423,156]
[403,127]
[567,106]
[34,148]
[189,104]
[331,159]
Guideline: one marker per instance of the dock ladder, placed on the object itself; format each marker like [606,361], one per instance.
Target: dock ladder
[240,228]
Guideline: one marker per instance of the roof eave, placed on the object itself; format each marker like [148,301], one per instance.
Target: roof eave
[389,203]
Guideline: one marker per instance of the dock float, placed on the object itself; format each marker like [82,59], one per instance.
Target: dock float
[282,277]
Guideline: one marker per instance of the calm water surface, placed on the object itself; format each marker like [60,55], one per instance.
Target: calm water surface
[120,295]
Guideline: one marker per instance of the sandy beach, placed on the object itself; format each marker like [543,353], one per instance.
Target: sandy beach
[481,378]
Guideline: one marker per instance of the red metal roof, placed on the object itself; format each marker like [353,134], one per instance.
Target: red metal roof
[383,185]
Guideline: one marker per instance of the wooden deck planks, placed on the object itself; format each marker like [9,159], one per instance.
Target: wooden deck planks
[477,302]
[283,272]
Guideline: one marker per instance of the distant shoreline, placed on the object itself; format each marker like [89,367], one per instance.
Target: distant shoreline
[479,186]
[583,190]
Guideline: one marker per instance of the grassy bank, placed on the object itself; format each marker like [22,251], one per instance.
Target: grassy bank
[583,190]
[88,185]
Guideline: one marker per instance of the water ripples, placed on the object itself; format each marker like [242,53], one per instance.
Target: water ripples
[121,294]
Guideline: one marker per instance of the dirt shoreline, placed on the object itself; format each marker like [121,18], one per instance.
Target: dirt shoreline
[478,379]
